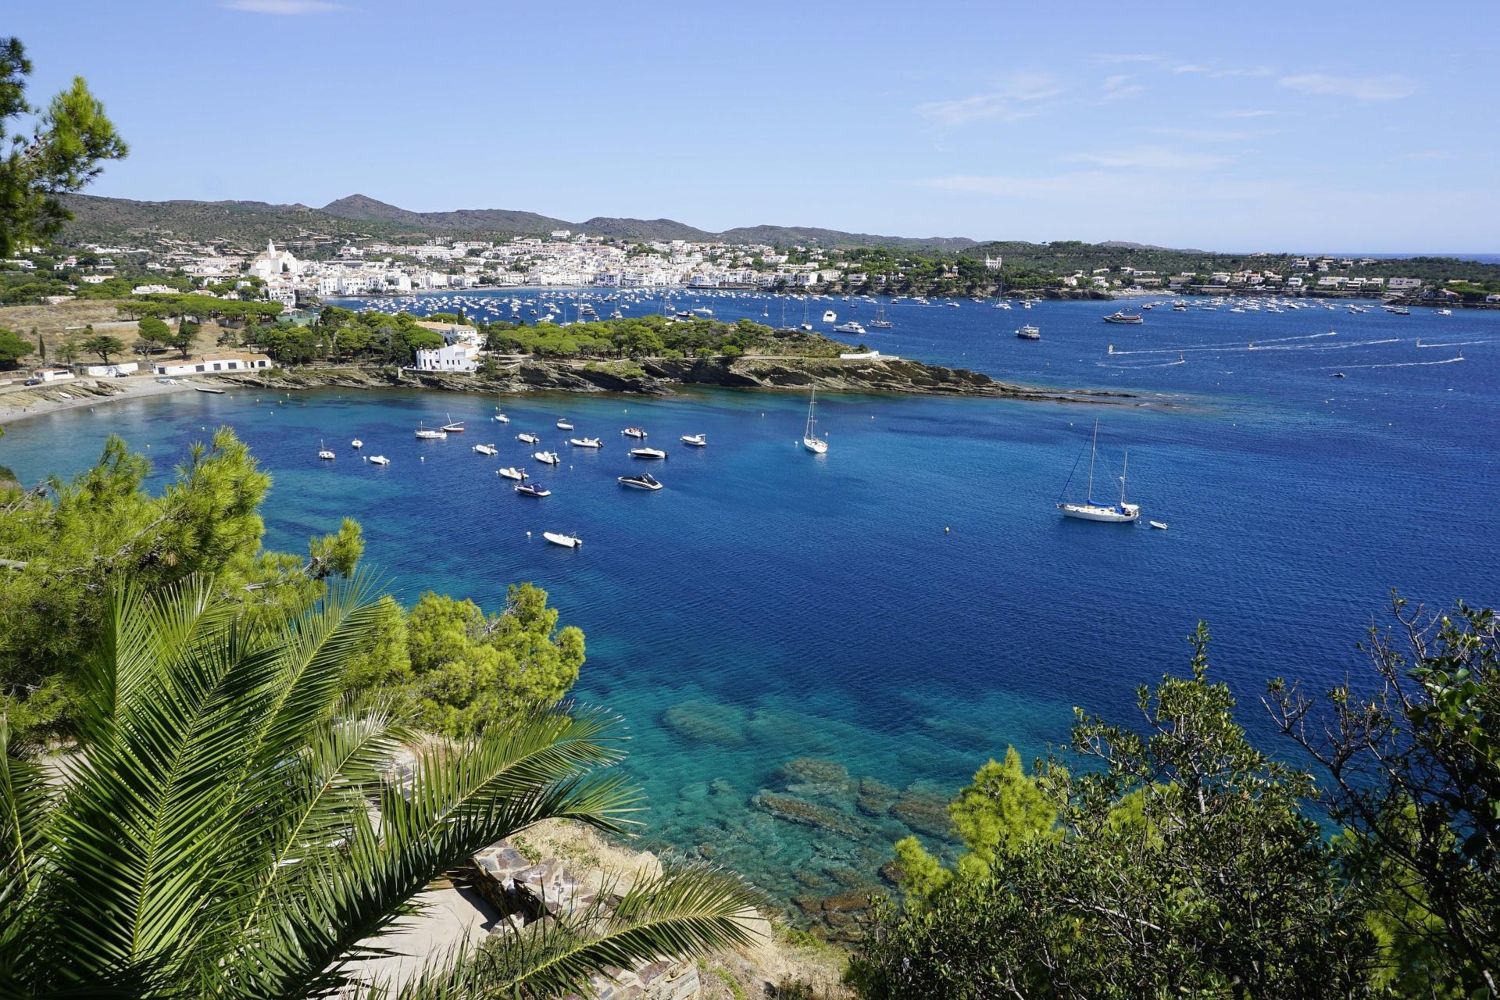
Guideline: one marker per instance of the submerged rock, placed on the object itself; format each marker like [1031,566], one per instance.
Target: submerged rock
[707,722]
[924,811]
[813,776]
[794,810]
[875,797]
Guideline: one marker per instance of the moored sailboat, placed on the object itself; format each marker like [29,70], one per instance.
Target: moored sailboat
[810,439]
[1092,510]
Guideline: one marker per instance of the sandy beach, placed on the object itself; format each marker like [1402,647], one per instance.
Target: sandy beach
[21,402]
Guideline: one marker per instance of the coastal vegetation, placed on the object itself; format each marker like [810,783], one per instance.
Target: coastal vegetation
[1175,858]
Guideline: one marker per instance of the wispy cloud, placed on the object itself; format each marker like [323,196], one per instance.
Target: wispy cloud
[1360,88]
[1206,134]
[282,7]
[1249,113]
[1018,98]
[1152,158]
[1125,58]
[1432,155]
[1119,87]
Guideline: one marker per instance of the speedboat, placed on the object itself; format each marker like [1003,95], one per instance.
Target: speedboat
[430,435]
[1124,317]
[647,453]
[566,541]
[563,425]
[849,327]
[634,432]
[527,438]
[486,449]
[533,490]
[511,472]
[1158,525]
[696,440]
[1029,332]
[586,442]
[645,481]
[829,316]
[379,460]
[547,457]
[356,443]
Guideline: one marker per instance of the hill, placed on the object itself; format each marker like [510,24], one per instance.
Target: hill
[107,220]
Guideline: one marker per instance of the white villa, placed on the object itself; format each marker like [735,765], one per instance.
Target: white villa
[459,354]
[273,263]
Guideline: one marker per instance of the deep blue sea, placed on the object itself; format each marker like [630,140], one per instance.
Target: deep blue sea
[909,604]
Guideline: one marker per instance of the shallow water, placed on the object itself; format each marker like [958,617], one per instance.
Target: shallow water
[911,603]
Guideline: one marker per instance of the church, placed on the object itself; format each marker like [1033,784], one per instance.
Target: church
[273,263]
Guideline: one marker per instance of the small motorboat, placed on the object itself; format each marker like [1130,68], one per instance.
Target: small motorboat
[696,440]
[1339,375]
[547,457]
[647,453]
[527,438]
[829,316]
[1158,525]
[379,460]
[430,435]
[209,388]
[566,541]
[356,443]
[486,449]
[563,425]
[533,490]
[511,472]
[586,442]
[645,481]
[634,432]
[501,418]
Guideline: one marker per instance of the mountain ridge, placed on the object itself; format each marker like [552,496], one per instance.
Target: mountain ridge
[99,217]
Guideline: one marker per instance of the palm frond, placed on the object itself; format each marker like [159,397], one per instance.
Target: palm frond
[26,801]
[683,912]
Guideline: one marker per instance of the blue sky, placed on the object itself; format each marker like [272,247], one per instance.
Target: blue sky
[1329,126]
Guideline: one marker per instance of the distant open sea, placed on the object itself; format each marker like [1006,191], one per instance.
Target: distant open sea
[906,606]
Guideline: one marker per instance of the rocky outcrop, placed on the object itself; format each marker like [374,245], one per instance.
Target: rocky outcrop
[661,376]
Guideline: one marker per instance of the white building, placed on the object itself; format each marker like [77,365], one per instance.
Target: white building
[112,371]
[210,363]
[457,357]
[273,263]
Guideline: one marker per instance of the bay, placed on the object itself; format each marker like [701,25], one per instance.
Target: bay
[910,604]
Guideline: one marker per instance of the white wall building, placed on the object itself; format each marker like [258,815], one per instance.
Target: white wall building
[210,363]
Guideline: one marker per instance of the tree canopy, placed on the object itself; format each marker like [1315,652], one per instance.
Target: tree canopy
[71,139]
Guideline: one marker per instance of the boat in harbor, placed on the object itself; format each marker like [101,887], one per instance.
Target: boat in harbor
[566,541]
[511,472]
[533,490]
[325,453]
[634,432]
[645,481]
[1120,316]
[880,322]
[501,418]
[586,442]
[428,434]
[563,425]
[829,316]
[849,327]
[1158,525]
[356,443]
[209,388]
[1092,510]
[379,460]
[527,438]
[1029,332]
[810,439]
[647,453]
[695,440]
[486,449]
[453,426]
[547,457]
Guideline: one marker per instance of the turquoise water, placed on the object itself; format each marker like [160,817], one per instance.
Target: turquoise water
[906,606]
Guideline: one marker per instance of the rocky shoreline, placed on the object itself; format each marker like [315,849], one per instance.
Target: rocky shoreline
[664,376]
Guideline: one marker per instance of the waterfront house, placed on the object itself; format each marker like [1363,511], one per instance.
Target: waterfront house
[227,361]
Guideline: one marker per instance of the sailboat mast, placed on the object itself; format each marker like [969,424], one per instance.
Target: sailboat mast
[1124,469]
[1094,447]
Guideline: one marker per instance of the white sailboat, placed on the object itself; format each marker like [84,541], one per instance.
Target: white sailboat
[324,452]
[810,439]
[880,322]
[1090,510]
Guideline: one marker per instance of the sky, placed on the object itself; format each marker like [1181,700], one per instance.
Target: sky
[1334,126]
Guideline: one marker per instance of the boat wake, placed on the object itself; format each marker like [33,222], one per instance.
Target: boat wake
[1146,364]
[1258,346]
[1452,343]
[1399,364]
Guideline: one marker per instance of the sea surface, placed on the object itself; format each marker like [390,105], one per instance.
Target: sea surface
[813,653]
